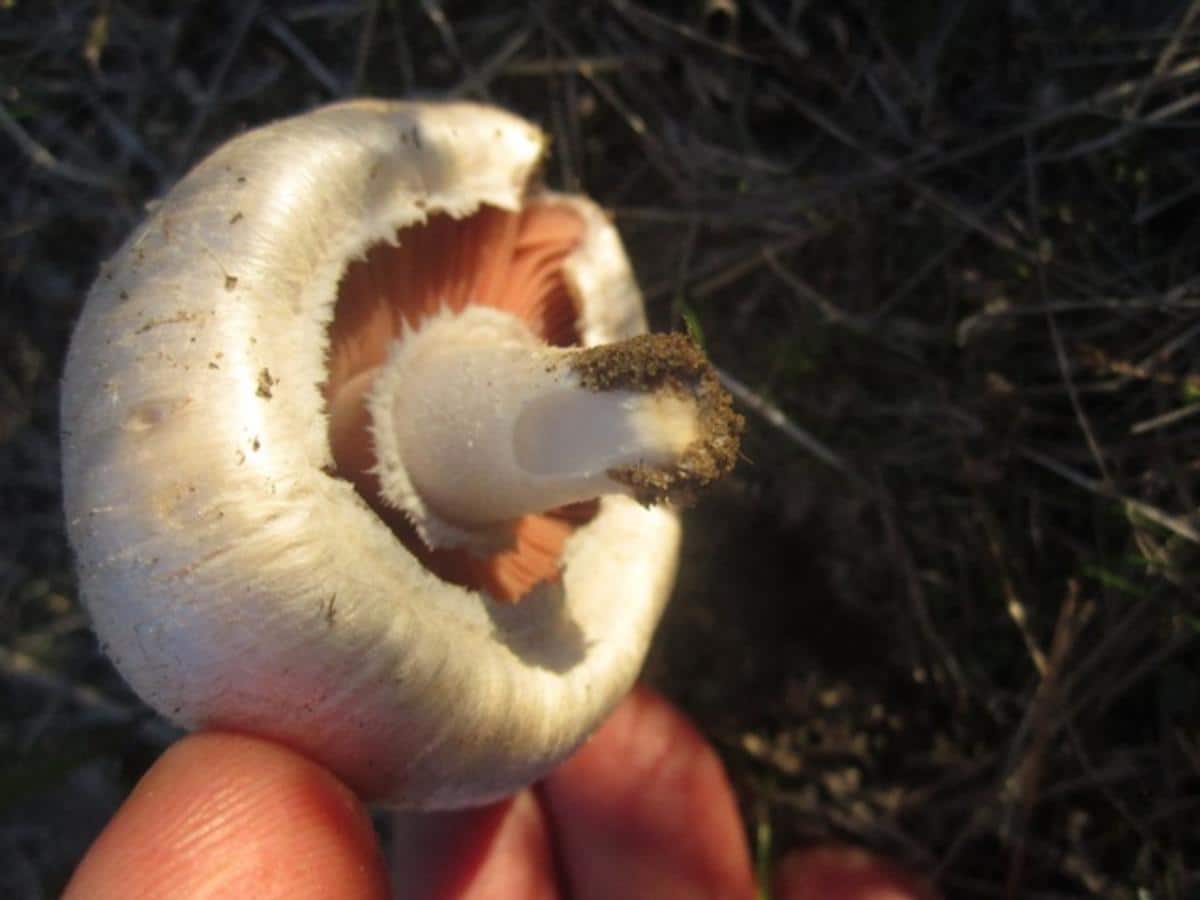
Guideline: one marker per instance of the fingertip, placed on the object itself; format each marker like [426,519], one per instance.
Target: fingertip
[503,850]
[837,872]
[645,809]
[230,815]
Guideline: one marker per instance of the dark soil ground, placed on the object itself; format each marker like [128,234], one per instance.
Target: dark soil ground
[945,253]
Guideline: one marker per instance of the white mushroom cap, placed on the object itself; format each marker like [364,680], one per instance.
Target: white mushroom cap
[234,579]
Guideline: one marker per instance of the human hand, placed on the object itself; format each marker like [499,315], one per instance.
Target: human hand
[643,810]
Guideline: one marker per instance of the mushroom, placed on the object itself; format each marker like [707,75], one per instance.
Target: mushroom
[363,452]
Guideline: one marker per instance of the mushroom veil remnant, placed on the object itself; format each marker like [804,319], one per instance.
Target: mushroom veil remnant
[365,451]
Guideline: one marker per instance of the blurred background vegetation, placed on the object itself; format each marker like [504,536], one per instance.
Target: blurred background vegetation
[945,253]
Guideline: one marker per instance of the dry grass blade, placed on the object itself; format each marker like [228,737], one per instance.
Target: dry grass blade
[332,84]
[44,159]
[1178,525]
[1027,777]
[775,417]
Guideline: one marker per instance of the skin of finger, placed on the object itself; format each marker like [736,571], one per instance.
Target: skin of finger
[645,810]
[225,815]
[845,873]
[498,852]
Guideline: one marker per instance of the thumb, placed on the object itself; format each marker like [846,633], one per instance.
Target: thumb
[225,815]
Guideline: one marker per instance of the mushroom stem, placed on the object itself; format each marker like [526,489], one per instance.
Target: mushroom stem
[475,423]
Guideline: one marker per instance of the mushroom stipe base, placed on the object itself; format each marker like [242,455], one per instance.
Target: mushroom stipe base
[670,362]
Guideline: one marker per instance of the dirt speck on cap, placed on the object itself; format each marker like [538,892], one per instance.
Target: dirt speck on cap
[265,384]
